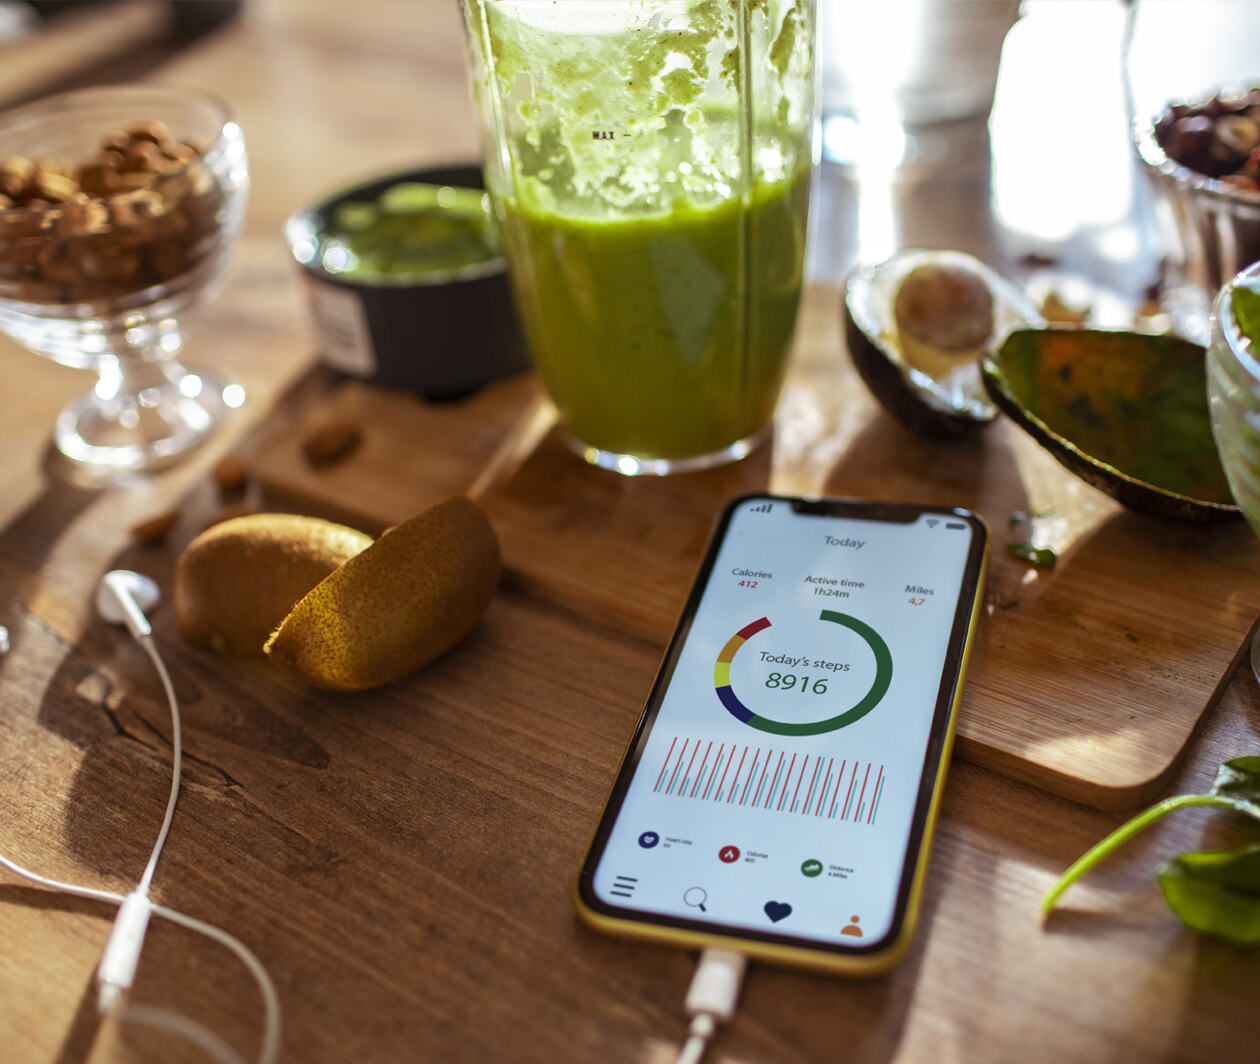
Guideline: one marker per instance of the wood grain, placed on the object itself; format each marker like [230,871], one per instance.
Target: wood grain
[1088,680]
[403,861]
[74,41]
[412,454]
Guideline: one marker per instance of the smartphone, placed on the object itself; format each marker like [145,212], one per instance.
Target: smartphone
[779,793]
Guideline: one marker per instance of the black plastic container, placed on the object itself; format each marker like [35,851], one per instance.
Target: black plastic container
[442,336]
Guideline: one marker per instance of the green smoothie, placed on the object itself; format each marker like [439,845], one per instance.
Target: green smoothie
[650,166]
[662,335]
[410,232]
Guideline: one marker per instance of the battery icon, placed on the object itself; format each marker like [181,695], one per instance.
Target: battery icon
[955,524]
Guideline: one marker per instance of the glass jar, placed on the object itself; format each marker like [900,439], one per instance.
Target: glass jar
[649,161]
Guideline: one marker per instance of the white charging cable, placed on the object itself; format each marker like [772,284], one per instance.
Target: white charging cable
[122,598]
[711,999]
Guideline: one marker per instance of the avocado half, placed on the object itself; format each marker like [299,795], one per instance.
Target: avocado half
[943,406]
[1125,411]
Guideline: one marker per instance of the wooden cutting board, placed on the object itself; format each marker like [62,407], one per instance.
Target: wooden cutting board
[1087,679]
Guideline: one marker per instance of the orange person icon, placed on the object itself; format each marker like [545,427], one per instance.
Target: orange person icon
[852,928]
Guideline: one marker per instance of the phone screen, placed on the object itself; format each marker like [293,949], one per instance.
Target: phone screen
[779,784]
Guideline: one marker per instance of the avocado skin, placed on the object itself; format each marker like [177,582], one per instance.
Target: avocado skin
[1134,494]
[887,382]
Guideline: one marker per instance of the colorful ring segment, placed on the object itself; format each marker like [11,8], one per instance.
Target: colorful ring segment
[737,709]
[722,672]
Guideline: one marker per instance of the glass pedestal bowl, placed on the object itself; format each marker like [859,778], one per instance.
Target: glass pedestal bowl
[1210,225]
[119,208]
[1233,377]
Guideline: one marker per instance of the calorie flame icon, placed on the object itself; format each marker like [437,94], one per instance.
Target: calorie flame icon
[728,854]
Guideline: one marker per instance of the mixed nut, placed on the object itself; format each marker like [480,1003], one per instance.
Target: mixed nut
[141,212]
[1218,138]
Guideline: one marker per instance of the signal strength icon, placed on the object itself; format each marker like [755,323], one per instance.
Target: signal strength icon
[932,522]
[764,508]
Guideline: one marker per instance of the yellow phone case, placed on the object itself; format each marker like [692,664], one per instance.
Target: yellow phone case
[856,964]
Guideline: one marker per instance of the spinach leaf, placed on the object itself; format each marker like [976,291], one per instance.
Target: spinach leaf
[1246,303]
[1216,893]
[1239,781]
[1023,547]
[1041,557]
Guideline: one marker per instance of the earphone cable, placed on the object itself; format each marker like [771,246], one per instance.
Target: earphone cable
[107,896]
[270,1048]
[165,1019]
[177,760]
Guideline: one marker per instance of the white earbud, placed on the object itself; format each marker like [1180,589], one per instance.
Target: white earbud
[122,597]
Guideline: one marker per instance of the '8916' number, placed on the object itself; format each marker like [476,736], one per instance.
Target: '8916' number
[785,681]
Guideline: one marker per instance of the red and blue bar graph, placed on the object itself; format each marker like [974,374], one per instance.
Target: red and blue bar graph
[770,779]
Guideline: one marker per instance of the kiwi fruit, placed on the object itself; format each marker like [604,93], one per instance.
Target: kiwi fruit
[410,596]
[238,580]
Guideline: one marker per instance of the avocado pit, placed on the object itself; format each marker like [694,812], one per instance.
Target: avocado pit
[916,327]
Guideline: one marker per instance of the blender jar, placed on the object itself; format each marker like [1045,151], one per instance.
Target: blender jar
[649,162]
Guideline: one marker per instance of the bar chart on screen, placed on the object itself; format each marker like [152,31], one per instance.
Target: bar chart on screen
[772,779]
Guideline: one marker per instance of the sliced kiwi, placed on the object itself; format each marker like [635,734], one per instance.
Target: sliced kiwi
[237,580]
[412,595]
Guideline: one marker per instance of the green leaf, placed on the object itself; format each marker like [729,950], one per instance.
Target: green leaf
[1246,302]
[1101,850]
[1041,557]
[1239,781]
[1216,893]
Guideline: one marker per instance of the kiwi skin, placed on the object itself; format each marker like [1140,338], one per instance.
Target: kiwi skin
[238,580]
[411,596]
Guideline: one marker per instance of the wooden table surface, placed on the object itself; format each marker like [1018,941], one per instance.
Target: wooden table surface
[402,861]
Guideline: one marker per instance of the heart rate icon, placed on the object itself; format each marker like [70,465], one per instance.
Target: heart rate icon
[778,910]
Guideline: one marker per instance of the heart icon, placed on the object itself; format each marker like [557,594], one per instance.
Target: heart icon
[778,910]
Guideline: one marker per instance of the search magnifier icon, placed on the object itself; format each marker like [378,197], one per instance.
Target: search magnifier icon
[696,897]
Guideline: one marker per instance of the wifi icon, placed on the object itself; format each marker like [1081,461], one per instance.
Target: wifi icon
[932,522]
